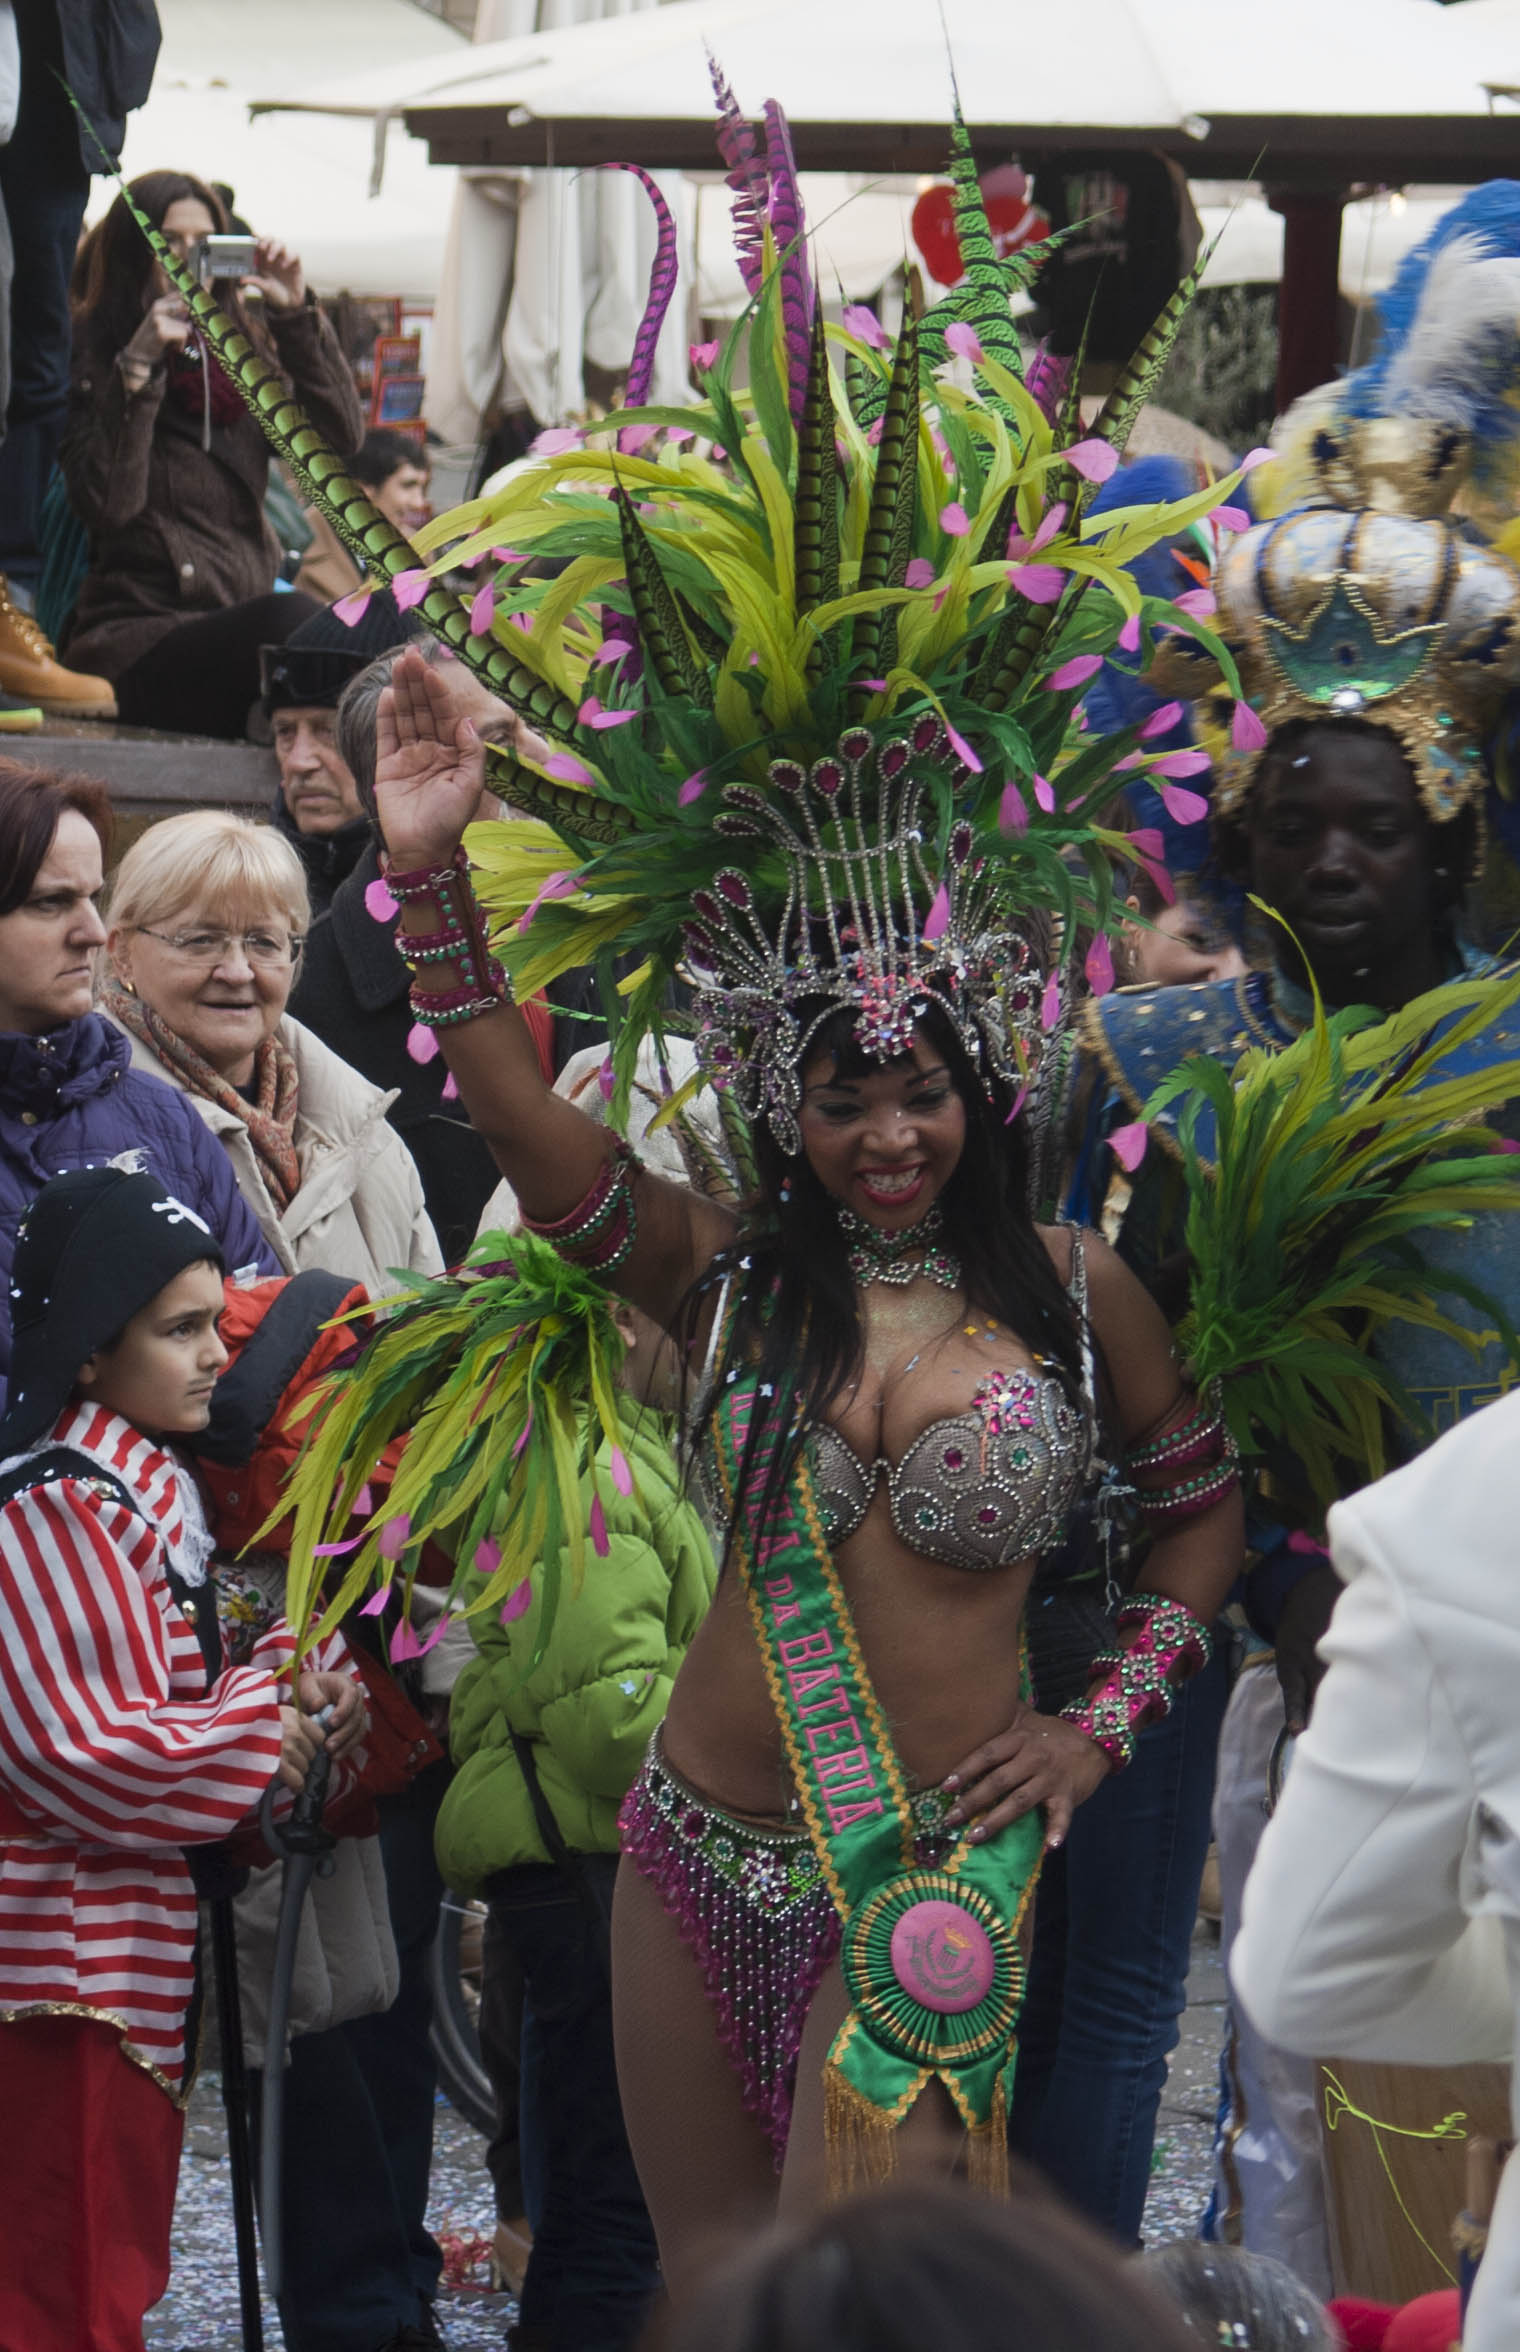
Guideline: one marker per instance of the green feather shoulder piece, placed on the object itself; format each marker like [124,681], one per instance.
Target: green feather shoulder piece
[1331,1166]
[505,1375]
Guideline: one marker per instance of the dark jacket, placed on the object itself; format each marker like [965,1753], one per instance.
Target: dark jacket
[327,858]
[110,48]
[70,1100]
[352,990]
[177,530]
[106,51]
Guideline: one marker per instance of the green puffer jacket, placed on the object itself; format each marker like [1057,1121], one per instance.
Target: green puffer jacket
[602,1685]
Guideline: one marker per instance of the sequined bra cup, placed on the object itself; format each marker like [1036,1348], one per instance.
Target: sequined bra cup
[981,1490]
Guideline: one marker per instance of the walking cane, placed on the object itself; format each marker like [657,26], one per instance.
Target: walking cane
[305,1848]
[229,2018]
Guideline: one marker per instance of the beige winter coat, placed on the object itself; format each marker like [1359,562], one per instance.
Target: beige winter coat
[359,1211]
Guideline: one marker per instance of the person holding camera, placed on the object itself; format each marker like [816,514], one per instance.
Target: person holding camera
[167,470]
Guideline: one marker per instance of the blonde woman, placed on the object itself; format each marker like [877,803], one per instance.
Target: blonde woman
[206,919]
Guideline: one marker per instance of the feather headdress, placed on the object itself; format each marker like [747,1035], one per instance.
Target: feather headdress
[825,668]
[829,546]
[1372,593]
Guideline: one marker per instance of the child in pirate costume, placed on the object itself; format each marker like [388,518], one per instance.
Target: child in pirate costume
[126,1748]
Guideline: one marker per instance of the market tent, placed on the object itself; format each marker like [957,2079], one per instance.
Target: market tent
[1312,98]
[1379,90]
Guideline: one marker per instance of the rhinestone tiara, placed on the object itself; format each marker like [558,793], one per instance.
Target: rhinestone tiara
[842,908]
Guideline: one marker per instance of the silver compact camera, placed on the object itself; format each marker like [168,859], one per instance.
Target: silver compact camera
[222,257]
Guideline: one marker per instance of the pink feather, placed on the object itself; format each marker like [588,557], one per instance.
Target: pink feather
[789,229]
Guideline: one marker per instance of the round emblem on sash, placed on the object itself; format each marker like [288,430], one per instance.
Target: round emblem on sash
[942,1957]
[934,1970]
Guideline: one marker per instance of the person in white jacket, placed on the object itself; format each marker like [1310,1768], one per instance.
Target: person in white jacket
[1382,1917]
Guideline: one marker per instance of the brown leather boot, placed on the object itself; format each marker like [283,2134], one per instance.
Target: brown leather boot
[28,668]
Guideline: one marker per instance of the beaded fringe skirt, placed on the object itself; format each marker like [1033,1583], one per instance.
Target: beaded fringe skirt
[751,1903]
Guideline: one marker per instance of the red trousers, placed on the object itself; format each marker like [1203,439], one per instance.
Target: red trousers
[89,2159]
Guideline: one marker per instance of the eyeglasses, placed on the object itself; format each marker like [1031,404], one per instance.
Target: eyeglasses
[262,948]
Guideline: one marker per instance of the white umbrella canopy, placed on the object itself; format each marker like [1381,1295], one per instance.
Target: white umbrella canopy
[1376,233]
[303,181]
[868,82]
[1489,32]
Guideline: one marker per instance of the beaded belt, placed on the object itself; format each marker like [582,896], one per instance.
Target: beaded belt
[750,1901]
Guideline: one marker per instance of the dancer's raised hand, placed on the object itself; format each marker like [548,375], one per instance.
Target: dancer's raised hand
[429,767]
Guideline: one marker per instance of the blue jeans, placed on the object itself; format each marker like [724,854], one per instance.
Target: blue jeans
[594,2266]
[1114,1922]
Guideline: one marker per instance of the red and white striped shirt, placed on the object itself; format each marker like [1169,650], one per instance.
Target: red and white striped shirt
[111,1745]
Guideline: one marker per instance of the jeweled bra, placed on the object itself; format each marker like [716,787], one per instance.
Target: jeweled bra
[982,1489]
[979,1490]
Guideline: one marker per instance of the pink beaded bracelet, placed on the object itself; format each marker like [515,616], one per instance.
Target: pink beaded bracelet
[1139,1681]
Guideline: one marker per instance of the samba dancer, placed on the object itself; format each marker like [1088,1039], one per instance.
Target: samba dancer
[873,683]
[938,1341]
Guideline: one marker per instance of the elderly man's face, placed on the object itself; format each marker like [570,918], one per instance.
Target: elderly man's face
[318,788]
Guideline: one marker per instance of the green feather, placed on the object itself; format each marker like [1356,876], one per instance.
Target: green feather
[1137,381]
[1334,1163]
[864,391]
[889,520]
[1012,651]
[580,816]
[655,614]
[981,299]
[816,500]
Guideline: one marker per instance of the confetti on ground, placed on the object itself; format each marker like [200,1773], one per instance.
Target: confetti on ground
[200,2311]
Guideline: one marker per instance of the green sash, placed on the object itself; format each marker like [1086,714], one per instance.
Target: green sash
[930,1946]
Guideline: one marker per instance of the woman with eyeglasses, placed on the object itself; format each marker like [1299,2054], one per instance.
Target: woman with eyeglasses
[69,1096]
[207,915]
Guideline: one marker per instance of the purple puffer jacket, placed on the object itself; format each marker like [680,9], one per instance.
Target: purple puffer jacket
[71,1100]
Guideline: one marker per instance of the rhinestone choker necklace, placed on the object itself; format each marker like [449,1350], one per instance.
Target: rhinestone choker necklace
[899,1258]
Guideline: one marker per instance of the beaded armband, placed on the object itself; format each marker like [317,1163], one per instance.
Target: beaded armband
[600,1231]
[1193,1467]
[1138,1682]
[460,940]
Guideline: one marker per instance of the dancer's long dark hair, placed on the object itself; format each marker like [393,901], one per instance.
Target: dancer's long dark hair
[797,1329]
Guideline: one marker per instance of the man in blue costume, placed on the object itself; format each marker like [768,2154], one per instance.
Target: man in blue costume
[1378,636]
